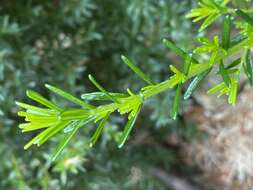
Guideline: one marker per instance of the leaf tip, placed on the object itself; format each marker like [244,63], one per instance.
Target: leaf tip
[91,144]
[164,40]
[186,96]
[27,146]
[123,57]
[90,77]
[17,103]
[28,92]
[48,85]
[120,145]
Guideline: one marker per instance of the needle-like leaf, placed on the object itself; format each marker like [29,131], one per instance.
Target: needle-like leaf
[224,74]
[237,39]
[40,99]
[233,92]
[128,129]
[68,96]
[187,64]
[43,136]
[98,131]
[52,131]
[208,21]
[65,141]
[176,103]
[74,114]
[92,79]
[35,109]
[194,84]
[169,44]
[137,70]
[233,64]
[216,88]
[226,32]
[245,17]
[249,66]
[97,96]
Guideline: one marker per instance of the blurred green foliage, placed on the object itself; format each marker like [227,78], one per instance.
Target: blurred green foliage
[61,42]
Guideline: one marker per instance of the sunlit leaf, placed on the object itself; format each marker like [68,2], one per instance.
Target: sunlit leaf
[127,129]
[68,96]
[98,131]
[233,92]
[210,19]
[40,99]
[65,141]
[216,88]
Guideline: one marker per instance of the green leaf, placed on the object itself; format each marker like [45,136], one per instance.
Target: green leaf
[137,70]
[224,74]
[176,103]
[226,32]
[216,88]
[34,109]
[101,96]
[68,96]
[194,84]
[245,17]
[72,125]
[187,64]
[51,131]
[170,45]
[98,131]
[34,140]
[128,129]
[65,141]
[233,92]
[40,99]
[38,116]
[74,114]
[249,66]
[43,136]
[233,64]
[92,79]
[180,52]
[27,127]
[208,21]
[237,39]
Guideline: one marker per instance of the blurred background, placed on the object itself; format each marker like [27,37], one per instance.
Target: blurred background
[60,42]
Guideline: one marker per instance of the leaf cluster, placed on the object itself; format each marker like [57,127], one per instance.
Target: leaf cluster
[54,118]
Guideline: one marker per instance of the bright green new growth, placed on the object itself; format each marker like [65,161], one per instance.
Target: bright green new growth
[54,118]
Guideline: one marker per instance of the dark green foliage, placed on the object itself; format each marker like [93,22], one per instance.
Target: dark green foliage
[248,66]
[226,32]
